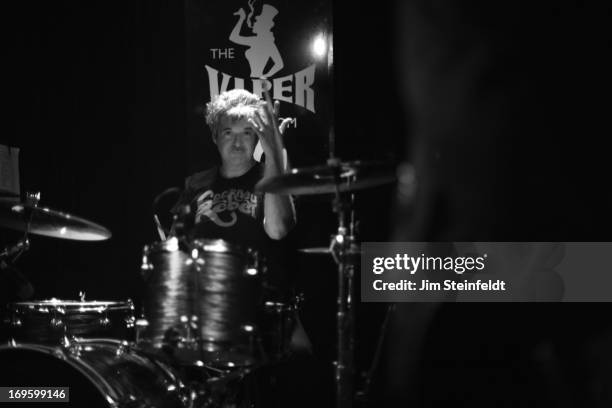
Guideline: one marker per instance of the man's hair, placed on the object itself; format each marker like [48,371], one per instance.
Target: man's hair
[222,103]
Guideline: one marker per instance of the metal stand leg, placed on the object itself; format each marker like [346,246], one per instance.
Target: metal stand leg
[344,369]
[341,250]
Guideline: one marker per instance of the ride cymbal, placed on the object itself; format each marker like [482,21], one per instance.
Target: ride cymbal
[326,179]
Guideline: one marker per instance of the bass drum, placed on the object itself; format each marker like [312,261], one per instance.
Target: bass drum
[101,373]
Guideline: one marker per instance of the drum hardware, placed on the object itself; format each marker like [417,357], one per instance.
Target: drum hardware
[353,249]
[66,342]
[339,246]
[16,322]
[337,177]
[23,244]
[140,325]
[100,372]
[104,322]
[363,394]
[17,249]
[57,324]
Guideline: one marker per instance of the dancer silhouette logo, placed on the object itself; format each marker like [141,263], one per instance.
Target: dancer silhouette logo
[261,46]
[253,34]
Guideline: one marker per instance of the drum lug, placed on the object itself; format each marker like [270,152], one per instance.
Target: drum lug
[252,267]
[141,327]
[130,321]
[124,347]
[65,342]
[72,347]
[146,265]
[56,323]
[190,327]
[61,352]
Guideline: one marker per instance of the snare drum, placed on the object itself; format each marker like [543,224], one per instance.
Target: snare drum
[201,301]
[50,321]
[100,373]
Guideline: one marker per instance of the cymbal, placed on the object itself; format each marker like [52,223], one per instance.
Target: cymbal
[348,176]
[354,250]
[50,223]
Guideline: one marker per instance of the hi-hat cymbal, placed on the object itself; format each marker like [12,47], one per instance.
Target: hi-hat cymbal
[353,250]
[50,223]
[346,176]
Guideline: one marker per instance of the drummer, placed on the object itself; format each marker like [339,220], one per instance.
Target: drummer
[221,201]
[223,198]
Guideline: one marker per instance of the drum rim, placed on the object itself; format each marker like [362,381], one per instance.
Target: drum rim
[220,246]
[75,305]
[79,364]
[201,244]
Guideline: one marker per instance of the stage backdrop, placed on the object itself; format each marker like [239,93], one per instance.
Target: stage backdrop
[280,45]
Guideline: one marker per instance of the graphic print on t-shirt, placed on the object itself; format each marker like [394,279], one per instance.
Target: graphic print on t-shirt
[221,207]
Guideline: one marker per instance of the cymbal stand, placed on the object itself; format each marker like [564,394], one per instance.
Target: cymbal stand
[21,246]
[24,243]
[340,246]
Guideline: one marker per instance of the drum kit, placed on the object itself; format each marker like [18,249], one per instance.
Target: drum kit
[206,322]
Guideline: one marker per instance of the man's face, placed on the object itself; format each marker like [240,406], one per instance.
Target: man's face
[236,140]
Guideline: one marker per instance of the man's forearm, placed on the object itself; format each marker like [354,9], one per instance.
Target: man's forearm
[279,211]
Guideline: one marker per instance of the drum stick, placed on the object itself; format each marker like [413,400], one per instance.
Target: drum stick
[160,230]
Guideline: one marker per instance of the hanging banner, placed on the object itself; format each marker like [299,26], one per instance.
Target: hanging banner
[280,46]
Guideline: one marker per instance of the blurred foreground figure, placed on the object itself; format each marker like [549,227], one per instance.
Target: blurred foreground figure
[507,128]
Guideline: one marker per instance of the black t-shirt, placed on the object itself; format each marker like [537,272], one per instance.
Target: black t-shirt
[230,209]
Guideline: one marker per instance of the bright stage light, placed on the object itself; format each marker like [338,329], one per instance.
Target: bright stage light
[319,46]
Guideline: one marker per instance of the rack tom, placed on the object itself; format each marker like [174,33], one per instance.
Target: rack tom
[201,301]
